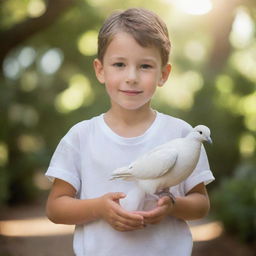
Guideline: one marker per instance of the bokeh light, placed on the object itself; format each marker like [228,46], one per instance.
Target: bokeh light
[51,61]
[195,51]
[247,145]
[26,56]
[20,113]
[29,81]
[87,43]
[36,8]
[242,30]
[3,154]
[30,143]
[181,96]
[78,93]
[244,61]
[11,68]
[194,7]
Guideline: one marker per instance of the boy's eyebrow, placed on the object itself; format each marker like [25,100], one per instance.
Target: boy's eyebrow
[149,59]
[146,59]
[117,58]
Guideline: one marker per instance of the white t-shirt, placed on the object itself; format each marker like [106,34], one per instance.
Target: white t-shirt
[87,155]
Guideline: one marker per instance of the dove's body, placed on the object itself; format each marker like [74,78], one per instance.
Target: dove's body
[180,166]
[166,165]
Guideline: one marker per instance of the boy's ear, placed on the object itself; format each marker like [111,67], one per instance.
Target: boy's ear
[166,70]
[98,68]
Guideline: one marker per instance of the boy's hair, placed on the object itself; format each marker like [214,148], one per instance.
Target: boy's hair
[145,26]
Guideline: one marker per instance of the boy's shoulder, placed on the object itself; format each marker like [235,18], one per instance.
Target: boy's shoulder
[176,123]
[83,127]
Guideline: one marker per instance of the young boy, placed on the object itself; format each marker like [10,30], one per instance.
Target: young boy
[133,51]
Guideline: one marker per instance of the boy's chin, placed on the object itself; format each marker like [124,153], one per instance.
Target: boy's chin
[133,106]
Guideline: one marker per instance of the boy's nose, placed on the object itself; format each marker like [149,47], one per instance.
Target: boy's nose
[132,75]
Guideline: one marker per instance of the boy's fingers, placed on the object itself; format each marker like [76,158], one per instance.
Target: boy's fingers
[129,218]
[118,220]
[163,200]
[127,215]
[150,214]
[128,225]
[117,196]
[155,217]
[123,227]
[153,221]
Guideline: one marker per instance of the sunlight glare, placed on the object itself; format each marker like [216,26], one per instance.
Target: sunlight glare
[43,227]
[36,8]
[33,227]
[194,7]
[206,232]
[242,30]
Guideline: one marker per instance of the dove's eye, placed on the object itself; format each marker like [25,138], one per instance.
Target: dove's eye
[200,132]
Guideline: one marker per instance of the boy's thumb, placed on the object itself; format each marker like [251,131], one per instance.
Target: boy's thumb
[118,195]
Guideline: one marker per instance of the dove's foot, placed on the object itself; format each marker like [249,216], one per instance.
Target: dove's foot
[166,192]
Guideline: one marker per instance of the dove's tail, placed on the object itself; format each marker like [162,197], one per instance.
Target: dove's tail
[121,173]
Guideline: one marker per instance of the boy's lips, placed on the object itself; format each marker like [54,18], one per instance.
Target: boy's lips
[131,92]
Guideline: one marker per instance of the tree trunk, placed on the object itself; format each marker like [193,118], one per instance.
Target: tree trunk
[17,34]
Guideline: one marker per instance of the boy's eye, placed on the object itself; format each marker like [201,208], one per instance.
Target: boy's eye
[146,66]
[119,64]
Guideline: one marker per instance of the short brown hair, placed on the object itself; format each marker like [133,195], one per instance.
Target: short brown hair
[145,26]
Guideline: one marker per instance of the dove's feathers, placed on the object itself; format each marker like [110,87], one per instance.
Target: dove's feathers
[168,164]
[166,158]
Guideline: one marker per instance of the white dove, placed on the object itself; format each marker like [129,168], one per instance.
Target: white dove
[163,167]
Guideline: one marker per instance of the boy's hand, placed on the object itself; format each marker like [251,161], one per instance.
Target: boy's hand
[163,209]
[116,216]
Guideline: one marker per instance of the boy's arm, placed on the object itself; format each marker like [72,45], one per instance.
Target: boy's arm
[194,205]
[62,207]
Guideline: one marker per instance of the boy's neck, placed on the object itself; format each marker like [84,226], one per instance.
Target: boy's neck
[130,123]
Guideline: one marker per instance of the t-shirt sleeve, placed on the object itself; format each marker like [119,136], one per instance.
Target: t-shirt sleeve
[65,163]
[201,174]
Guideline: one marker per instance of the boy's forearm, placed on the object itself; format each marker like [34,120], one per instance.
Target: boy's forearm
[68,210]
[191,207]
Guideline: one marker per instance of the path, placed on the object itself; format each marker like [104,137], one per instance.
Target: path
[32,235]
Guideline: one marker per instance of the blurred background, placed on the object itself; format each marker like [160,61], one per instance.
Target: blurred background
[47,84]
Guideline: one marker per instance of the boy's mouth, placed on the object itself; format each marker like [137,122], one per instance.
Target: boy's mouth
[131,92]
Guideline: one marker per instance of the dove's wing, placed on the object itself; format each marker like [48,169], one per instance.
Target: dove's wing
[154,164]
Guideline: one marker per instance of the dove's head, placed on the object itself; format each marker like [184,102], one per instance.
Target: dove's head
[202,133]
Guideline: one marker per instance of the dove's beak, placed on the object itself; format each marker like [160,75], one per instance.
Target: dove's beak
[209,140]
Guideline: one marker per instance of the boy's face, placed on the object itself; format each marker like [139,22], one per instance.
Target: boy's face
[130,72]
